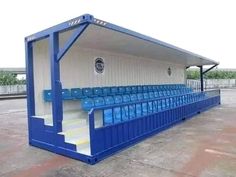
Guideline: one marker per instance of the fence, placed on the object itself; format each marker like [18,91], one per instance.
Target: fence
[12,89]
[212,83]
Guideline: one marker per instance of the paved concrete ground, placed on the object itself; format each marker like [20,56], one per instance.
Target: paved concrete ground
[203,146]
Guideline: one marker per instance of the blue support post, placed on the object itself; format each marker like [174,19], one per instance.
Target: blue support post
[30,84]
[57,108]
[201,78]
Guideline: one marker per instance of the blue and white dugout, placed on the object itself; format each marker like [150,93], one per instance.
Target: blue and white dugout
[95,88]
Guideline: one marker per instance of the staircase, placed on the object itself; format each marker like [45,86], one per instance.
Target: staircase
[75,129]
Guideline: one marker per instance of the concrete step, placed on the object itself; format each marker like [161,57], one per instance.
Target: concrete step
[75,133]
[82,145]
[73,123]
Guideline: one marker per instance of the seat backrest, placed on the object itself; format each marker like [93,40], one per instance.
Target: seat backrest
[121,90]
[106,91]
[97,91]
[66,95]
[114,90]
[140,89]
[133,97]
[126,98]
[109,100]
[146,96]
[87,92]
[134,89]
[87,104]
[156,94]
[47,95]
[140,96]
[150,88]
[154,88]
[118,99]
[145,88]
[151,95]
[99,101]
[76,93]
[127,90]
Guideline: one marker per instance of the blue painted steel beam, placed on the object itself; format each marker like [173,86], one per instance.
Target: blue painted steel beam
[201,78]
[204,72]
[71,41]
[30,84]
[57,108]
[70,24]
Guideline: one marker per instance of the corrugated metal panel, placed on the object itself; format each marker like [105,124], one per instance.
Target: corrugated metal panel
[42,76]
[77,70]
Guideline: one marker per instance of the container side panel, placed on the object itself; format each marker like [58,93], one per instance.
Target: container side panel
[42,76]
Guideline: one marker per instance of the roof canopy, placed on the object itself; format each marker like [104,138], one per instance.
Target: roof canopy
[102,35]
[102,38]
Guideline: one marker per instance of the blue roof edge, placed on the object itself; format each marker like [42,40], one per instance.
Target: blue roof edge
[88,18]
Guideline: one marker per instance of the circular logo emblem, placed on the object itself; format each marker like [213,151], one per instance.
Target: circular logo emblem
[169,71]
[99,65]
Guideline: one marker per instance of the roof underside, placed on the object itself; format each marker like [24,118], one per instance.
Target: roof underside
[102,38]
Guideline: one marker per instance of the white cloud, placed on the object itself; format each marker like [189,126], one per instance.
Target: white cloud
[201,26]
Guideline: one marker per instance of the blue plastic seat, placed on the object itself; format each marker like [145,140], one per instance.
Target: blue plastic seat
[134,89]
[156,94]
[87,92]
[145,96]
[77,93]
[145,88]
[164,93]
[144,109]
[118,99]
[109,100]
[132,114]
[108,114]
[150,107]
[140,96]
[114,91]
[97,91]
[105,91]
[66,94]
[47,95]
[87,104]
[133,97]
[126,98]
[155,106]
[117,114]
[99,101]
[150,88]
[151,95]
[127,90]
[154,88]
[139,89]
[121,90]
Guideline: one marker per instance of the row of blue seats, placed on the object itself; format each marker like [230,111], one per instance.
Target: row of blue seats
[78,93]
[136,109]
[89,103]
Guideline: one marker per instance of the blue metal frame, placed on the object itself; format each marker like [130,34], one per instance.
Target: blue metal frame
[46,137]
[108,139]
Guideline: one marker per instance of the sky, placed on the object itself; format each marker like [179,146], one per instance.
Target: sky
[205,27]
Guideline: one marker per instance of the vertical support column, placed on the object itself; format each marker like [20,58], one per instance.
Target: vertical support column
[55,83]
[201,78]
[30,84]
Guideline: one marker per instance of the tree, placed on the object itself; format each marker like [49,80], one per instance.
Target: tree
[216,74]
[8,78]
